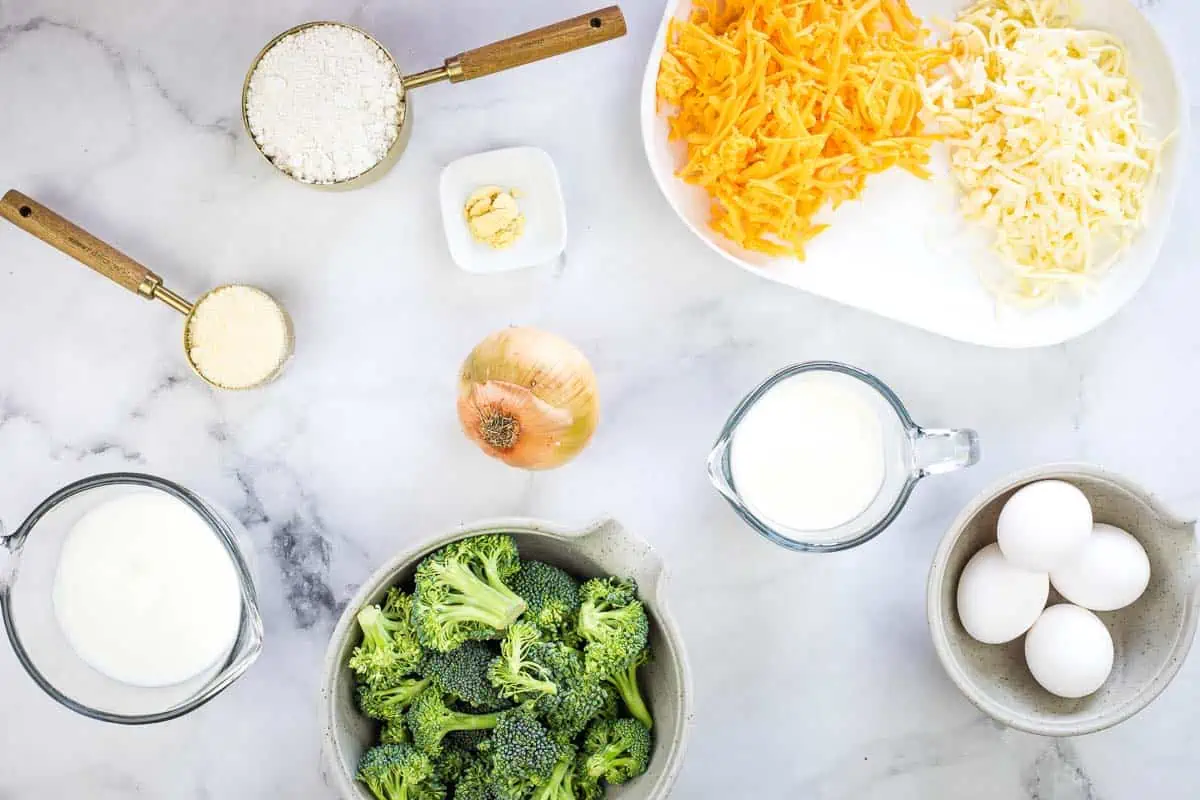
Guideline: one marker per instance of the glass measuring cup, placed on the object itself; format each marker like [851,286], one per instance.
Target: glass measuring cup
[28,566]
[910,454]
[67,237]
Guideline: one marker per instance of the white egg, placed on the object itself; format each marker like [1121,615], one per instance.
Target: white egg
[1110,571]
[1069,651]
[997,601]
[1043,525]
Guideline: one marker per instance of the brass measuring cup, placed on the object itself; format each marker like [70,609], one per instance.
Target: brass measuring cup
[67,237]
[553,40]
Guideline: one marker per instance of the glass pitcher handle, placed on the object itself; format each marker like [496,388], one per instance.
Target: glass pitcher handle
[937,451]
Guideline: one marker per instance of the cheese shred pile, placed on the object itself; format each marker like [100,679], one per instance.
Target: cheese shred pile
[787,105]
[1047,142]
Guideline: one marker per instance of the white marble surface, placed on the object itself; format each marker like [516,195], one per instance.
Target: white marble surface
[815,677]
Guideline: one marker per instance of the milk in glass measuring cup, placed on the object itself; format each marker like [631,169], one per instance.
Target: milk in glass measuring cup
[822,457]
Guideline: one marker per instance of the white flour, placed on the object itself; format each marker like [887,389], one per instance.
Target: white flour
[324,104]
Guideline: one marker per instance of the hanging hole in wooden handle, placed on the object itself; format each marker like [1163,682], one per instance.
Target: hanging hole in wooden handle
[552,40]
[69,238]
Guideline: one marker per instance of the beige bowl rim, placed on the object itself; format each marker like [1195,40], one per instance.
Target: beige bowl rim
[938,623]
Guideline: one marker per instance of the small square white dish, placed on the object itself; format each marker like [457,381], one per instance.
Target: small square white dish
[530,173]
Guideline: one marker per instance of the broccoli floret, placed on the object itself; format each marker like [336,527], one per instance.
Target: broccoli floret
[523,754]
[557,786]
[580,786]
[397,603]
[394,732]
[451,763]
[430,719]
[514,672]
[616,750]
[475,783]
[468,740]
[462,673]
[579,697]
[552,595]
[550,676]
[626,682]
[461,595]
[613,622]
[612,702]
[389,650]
[390,703]
[399,772]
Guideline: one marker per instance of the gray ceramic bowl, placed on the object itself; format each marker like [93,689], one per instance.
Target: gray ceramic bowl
[601,549]
[1152,636]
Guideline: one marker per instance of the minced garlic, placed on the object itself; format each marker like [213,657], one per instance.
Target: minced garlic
[493,217]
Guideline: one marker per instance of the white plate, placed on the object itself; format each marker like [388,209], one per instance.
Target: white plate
[904,252]
[531,173]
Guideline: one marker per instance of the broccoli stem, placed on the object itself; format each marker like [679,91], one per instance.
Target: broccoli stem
[626,683]
[472,722]
[600,763]
[488,601]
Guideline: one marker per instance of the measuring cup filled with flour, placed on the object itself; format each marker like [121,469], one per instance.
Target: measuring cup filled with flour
[235,337]
[328,106]
[823,456]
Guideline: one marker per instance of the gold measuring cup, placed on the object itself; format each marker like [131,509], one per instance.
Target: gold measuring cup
[553,40]
[67,237]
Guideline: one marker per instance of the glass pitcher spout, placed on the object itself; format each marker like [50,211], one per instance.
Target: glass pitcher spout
[718,470]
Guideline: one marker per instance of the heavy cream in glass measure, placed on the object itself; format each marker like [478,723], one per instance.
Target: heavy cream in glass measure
[823,456]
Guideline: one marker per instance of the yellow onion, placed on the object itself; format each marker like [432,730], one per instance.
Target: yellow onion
[528,398]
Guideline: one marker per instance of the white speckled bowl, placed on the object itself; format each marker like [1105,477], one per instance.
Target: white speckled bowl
[604,548]
[1152,636]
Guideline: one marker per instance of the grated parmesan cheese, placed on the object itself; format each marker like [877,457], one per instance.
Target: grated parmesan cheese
[1047,142]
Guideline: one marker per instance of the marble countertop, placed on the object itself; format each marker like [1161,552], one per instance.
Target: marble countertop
[815,677]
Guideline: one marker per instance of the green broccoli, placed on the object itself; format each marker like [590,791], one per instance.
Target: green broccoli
[475,783]
[399,772]
[514,673]
[462,673]
[389,650]
[552,595]
[580,786]
[549,675]
[614,624]
[430,719]
[390,703]
[468,740]
[394,732]
[461,595]
[451,763]
[626,682]
[557,786]
[612,702]
[523,754]
[579,698]
[616,750]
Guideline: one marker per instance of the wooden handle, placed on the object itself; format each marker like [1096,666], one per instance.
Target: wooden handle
[33,217]
[553,40]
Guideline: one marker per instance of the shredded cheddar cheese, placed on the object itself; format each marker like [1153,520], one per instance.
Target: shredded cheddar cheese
[1047,141]
[787,105]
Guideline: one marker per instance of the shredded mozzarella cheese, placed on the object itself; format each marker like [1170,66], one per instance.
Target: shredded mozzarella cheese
[1047,141]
